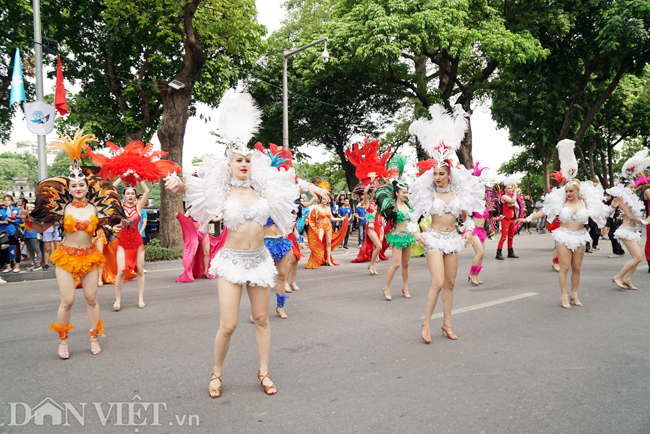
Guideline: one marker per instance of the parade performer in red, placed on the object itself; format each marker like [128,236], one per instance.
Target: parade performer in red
[81,202]
[643,183]
[510,207]
[445,192]
[135,163]
[247,190]
[573,202]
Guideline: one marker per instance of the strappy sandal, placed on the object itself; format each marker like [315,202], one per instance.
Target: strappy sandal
[215,392]
[564,301]
[387,297]
[573,297]
[95,349]
[294,287]
[447,330]
[426,334]
[405,293]
[630,285]
[269,390]
[141,304]
[280,312]
[65,355]
[116,305]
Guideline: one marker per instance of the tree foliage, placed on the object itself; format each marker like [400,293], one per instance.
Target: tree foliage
[437,51]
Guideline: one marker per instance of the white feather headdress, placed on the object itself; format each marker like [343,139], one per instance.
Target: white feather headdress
[635,165]
[239,119]
[442,135]
[568,162]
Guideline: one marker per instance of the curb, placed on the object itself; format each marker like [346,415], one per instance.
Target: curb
[24,276]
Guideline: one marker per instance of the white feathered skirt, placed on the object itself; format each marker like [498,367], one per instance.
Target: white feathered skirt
[244,266]
[571,238]
[628,233]
[443,242]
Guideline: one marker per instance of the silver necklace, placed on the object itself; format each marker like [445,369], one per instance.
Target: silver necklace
[244,184]
[442,190]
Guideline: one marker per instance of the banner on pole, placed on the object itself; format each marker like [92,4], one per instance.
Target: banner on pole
[17,84]
[40,117]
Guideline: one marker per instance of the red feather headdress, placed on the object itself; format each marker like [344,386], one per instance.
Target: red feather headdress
[558,177]
[370,165]
[141,160]
[425,165]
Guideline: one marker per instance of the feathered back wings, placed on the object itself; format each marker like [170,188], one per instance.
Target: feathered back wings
[370,165]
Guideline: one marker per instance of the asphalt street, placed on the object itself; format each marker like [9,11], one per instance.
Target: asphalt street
[346,360]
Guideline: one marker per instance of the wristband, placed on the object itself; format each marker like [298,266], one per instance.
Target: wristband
[529,219]
[468,226]
[412,228]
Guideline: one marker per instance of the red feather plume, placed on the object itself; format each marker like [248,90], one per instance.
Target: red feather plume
[558,177]
[141,159]
[425,165]
[370,165]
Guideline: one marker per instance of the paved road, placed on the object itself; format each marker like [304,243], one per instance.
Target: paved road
[346,361]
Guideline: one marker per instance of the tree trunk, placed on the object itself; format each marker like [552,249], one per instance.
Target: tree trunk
[348,168]
[171,132]
[465,151]
[610,166]
[545,168]
[131,136]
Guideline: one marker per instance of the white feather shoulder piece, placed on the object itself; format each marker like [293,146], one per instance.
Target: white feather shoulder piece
[631,199]
[593,195]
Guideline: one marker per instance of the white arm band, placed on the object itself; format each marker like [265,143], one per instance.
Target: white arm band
[304,185]
[529,218]
[468,226]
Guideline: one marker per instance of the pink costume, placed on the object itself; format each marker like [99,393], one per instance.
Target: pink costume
[480,231]
[192,258]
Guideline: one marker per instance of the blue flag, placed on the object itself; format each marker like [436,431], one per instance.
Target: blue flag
[17,84]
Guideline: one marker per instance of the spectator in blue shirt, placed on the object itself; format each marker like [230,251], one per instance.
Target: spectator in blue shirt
[360,214]
[346,211]
[143,222]
[31,243]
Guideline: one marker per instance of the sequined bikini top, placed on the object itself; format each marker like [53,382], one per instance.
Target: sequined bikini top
[439,207]
[71,224]
[567,216]
[235,214]
[401,218]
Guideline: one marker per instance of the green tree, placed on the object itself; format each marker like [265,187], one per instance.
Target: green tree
[17,166]
[329,104]
[436,50]
[205,44]
[330,169]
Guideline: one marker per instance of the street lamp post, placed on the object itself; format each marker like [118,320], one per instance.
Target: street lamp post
[285,100]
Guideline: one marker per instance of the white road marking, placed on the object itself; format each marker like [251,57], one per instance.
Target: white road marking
[487,304]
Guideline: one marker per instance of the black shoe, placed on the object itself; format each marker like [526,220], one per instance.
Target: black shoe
[45,267]
[499,255]
[345,247]
[511,253]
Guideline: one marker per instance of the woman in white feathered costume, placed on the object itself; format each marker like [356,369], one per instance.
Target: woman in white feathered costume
[247,191]
[632,208]
[444,192]
[573,203]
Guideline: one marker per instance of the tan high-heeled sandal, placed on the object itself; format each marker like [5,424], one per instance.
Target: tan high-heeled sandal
[116,305]
[280,312]
[630,285]
[574,298]
[405,293]
[426,334]
[64,355]
[564,301]
[215,392]
[269,390]
[448,331]
[470,278]
[615,282]
[387,297]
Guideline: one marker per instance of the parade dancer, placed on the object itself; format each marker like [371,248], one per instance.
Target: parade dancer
[632,209]
[445,192]
[133,164]
[247,190]
[81,202]
[130,248]
[392,201]
[573,202]
[510,204]
[322,240]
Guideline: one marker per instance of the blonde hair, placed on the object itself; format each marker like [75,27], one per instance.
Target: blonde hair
[573,182]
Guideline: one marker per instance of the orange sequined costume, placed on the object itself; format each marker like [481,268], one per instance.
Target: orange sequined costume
[78,261]
[326,225]
[317,247]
